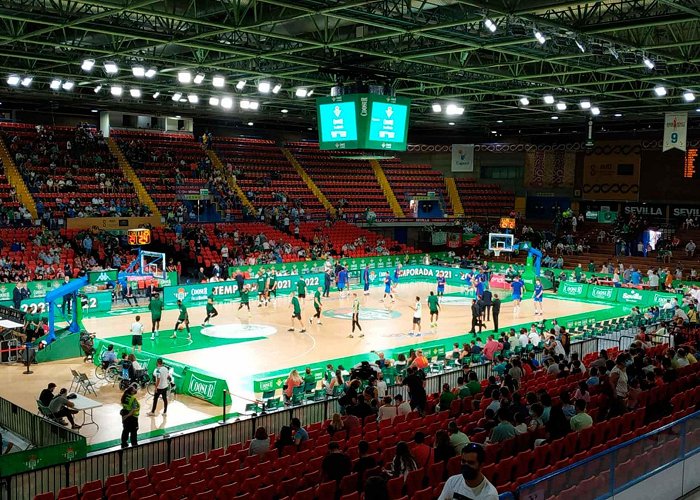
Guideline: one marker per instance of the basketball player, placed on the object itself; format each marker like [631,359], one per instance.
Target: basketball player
[245,298]
[387,288]
[441,280]
[517,286]
[434,306]
[156,308]
[343,282]
[262,287]
[365,279]
[272,285]
[296,312]
[356,314]
[182,319]
[301,289]
[211,310]
[397,274]
[317,306]
[537,296]
[417,315]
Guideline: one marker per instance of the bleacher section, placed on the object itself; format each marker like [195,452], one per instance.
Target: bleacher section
[266,173]
[341,233]
[67,169]
[484,199]
[168,164]
[339,178]
[408,180]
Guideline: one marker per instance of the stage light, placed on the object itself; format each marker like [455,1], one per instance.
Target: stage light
[301,92]
[55,84]
[585,104]
[226,103]
[284,111]
[555,117]
[540,37]
[111,68]
[97,89]
[595,111]
[524,101]
[688,96]
[156,94]
[241,84]
[116,90]
[437,108]
[580,46]
[213,101]
[490,25]
[648,63]
[177,96]
[250,124]
[151,72]
[135,93]
[193,98]
[138,71]
[548,99]
[199,78]
[660,90]
[264,87]
[184,77]
[276,89]
[617,115]
[87,65]
[26,81]
[561,106]
[13,80]
[311,92]
[245,104]
[451,124]
[254,105]
[68,85]
[453,109]
[218,81]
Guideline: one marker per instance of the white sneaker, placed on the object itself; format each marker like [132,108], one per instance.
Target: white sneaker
[151,414]
[153,337]
[319,322]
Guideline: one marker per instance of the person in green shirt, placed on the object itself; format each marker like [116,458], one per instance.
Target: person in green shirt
[355,316]
[446,397]
[262,287]
[245,298]
[434,306]
[301,289]
[272,285]
[591,267]
[296,312]
[317,306]
[156,308]
[473,384]
[182,319]
[578,272]
[581,420]
[309,377]
[211,310]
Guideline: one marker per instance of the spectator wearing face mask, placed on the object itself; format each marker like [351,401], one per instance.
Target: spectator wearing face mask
[470,483]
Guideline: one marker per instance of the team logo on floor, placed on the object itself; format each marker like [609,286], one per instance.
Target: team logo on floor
[238,331]
[368,314]
[455,301]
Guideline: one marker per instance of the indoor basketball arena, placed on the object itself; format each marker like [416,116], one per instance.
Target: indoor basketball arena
[349,250]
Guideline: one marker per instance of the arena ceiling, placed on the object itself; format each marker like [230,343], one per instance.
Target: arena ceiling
[433,51]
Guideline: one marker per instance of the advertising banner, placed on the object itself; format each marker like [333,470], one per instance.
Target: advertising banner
[675,131]
[574,290]
[633,297]
[102,277]
[463,157]
[606,293]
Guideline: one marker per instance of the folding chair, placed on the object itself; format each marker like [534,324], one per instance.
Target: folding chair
[86,384]
[76,380]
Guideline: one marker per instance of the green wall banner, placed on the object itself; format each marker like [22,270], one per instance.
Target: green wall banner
[574,290]
[102,277]
[607,293]
[45,456]
[633,297]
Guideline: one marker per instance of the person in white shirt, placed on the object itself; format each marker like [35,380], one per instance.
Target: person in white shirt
[667,306]
[653,280]
[136,334]
[387,410]
[690,249]
[381,386]
[523,338]
[402,407]
[470,483]
[417,314]
[534,336]
[162,380]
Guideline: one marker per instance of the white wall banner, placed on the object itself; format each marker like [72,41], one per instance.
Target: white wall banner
[463,157]
[675,131]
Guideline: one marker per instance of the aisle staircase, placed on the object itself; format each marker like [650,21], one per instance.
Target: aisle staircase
[16,180]
[232,184]
[386,187]
[453,194]
[144,197]
[309,181]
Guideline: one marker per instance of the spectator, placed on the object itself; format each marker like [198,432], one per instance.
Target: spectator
[61,407]
[402,407]
[473,384]
[261,442]
[557,426]
[443,449]
[505,429]
[458,439]
[293,380]
[47,394]
[366,460]
[336,424]
[470,483]
[403,461]
[388,410]
[422,453]
[336,465]
[520,424]
[582,392]
[446,398]
[285,439]
[581,420]
[300,434]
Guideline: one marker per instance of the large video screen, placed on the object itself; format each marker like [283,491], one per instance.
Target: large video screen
[363,121]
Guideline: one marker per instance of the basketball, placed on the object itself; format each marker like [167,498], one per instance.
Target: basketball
[181,326]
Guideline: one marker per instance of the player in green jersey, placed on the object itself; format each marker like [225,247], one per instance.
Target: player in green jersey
[434,306]
[245,298]
[182,319]
[156,308]
[211,310]
[296,312]
[317,306]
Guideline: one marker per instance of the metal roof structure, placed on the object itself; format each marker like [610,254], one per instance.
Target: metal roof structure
[484,55]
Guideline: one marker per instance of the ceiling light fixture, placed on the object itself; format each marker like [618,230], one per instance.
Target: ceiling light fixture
[284,111]
[193,98]
[437,108]
[55,84]
[68,85]
[250,124]
[184,77]
[245,104]
[301,92]
[241,84]
[580,46]
[156,94]
[26,81]
[135,93]
[660,90]
[648,63]
[138,71]
[687,95]
[524,101]
[555,117]
[585,104]
[177,96]
[548,99]
[595,111]
[276,89]
[451,124]
[490,25]
[13,80]
[453,109]
[561,106]
[226,102]
[97,89]
[213,101]
[617,115]
[199,78]
[254,105]
[116,90]
[218,81]
[151,72]
[540,37]
[264,87]
[111,68]
[87,65]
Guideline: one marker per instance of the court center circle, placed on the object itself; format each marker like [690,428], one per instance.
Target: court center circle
[237,331]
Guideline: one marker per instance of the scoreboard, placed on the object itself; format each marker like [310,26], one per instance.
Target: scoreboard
[363,121]
[691,163]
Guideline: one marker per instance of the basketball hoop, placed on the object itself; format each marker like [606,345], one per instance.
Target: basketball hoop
[496,252]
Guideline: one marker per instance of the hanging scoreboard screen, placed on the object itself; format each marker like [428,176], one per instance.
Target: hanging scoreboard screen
[378,122]
[691,163]
[138,237]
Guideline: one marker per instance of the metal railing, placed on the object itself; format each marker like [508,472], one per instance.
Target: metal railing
[35,429]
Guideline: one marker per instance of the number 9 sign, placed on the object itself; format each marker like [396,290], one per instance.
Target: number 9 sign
[674,138]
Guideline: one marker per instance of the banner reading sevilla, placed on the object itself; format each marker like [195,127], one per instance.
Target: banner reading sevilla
[675,131]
